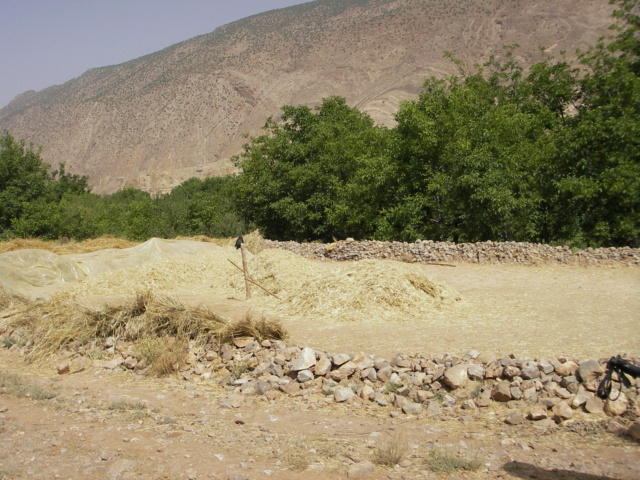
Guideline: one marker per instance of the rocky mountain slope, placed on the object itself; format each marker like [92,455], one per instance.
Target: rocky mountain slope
[182,112]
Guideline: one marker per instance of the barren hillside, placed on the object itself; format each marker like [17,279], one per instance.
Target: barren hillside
[181,112]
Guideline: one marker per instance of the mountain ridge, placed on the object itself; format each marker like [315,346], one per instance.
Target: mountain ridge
[183,111]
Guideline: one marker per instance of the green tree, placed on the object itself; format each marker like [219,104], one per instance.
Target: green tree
[306,178]
[23,178]
[599,148]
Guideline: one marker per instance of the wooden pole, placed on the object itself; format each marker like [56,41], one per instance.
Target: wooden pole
[245,269]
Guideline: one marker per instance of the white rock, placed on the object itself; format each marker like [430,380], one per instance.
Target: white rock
[342,394]
[456,376]
[306,360]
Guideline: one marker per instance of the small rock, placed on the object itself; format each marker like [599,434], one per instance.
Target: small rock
[63,368]
[367,393]
[616,428]
[290,387]
[580,399]
[323,366]
[340,358]
[342,394]
[263,386]
[530,372]
[515,418]
[634,430]
[305,376]
[567,368]
[360,469]
[384,374]
[306,360]
[594,405]
[412,408]
[590,371]
[618,406]
[468,404]
[562,412]
[456,376]
[345,371]
[511,371]
[476,372]
[433,408]
[380,399]
[501,392]
[538,412]
[242,342]
[114,363]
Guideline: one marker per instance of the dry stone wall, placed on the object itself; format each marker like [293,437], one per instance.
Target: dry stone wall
[428,251]
[546,391]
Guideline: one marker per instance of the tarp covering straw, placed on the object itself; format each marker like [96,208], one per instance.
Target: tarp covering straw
[361,290]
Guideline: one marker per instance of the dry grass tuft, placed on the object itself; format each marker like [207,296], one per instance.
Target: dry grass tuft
[125,405]
[20,386]
[447,462]
[164,355]
[390,453]
[156,320]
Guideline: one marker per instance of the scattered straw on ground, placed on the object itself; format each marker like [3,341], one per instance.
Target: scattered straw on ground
[63,248]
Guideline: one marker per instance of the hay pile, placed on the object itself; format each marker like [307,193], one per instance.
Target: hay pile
[370,289]
[279,271]
[47,327]
[309,289]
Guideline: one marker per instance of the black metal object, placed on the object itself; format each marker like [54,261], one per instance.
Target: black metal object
[621,367]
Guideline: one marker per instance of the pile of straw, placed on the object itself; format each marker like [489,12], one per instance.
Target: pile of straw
[206,273]
[370,289]
[279,271]
[50,326]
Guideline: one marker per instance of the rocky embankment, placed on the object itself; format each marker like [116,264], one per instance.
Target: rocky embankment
[546,391]
[428,251]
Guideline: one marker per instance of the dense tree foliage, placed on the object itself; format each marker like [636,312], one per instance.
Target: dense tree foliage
[317,174]
[548,153]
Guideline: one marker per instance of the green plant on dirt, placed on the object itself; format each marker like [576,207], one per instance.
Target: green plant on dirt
[21,386]
[391,451]
[392,387]
[447,462]
[126,405]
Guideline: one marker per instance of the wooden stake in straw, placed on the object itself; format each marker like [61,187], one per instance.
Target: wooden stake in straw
[245,268]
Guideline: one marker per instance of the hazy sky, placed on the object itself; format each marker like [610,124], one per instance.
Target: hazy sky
[48,42]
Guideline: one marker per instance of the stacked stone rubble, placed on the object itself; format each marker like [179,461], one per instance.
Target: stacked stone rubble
[548,389]
[428,251]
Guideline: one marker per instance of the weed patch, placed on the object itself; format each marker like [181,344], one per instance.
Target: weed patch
[390,452]
[447,462]
[20,386]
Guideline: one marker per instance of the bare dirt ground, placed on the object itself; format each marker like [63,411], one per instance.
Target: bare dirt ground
[104,424]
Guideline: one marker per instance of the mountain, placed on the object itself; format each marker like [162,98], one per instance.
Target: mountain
[182,112]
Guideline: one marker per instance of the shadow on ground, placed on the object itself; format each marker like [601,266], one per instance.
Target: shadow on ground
[526,471]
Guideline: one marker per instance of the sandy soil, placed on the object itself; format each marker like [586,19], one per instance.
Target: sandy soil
[535,311]
[199,431]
